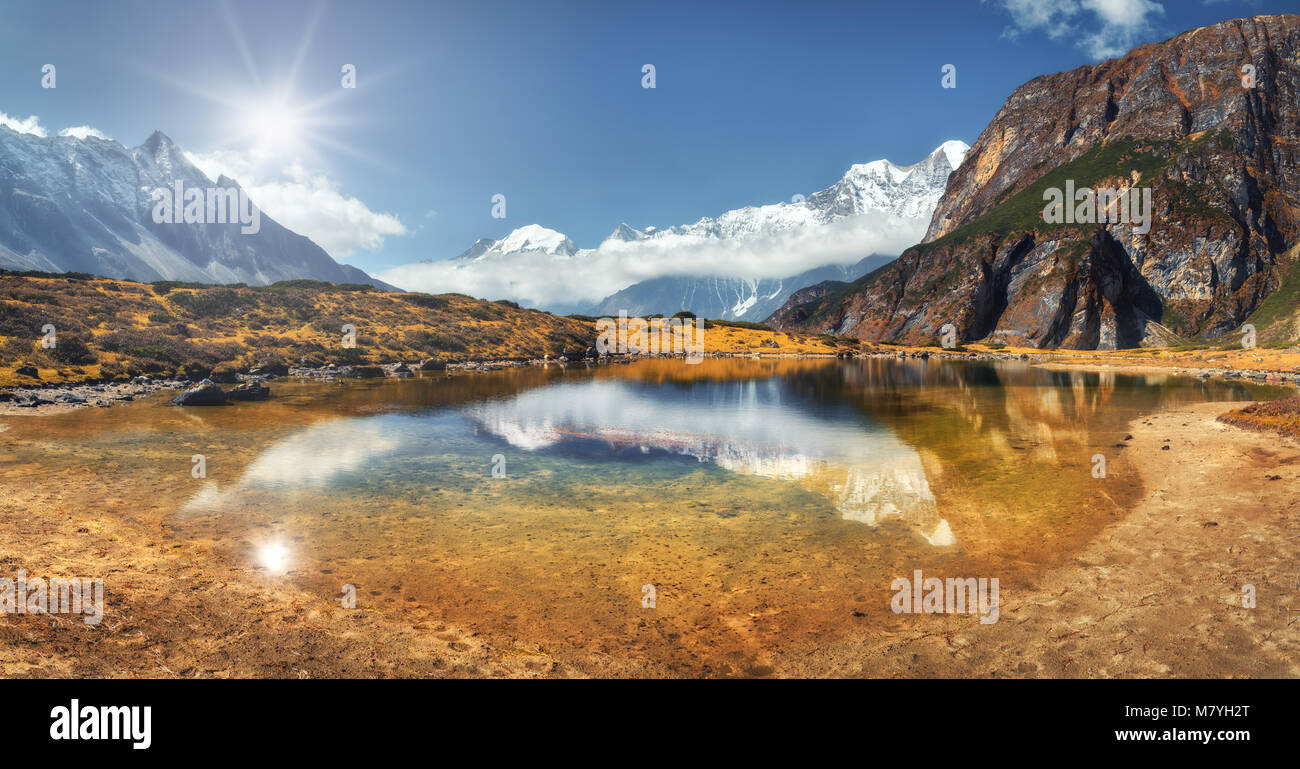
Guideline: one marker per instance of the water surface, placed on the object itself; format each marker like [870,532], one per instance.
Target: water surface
[768,503]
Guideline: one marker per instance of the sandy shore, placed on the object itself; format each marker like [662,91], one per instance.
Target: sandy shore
[1156,593]
[175,609]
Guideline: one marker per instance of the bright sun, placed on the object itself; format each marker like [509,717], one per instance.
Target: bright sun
[273,127]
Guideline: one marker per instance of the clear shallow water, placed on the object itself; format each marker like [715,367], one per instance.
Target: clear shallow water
[766,501]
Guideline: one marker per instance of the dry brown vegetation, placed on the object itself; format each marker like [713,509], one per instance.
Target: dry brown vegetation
[117,329]
[1281,416]
[110,328]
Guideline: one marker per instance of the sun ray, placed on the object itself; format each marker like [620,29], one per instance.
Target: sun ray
[308,35]
[238,37]
[270,126]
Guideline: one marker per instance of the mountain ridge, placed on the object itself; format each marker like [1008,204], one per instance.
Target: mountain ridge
[71,204]
[878,194]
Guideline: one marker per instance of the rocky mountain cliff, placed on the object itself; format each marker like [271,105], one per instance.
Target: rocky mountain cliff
[1215,141]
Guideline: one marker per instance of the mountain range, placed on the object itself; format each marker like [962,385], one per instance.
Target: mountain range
[71,204]
[877,203]
[1207,124]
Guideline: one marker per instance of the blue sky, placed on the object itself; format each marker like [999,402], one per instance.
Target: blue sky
[542,101]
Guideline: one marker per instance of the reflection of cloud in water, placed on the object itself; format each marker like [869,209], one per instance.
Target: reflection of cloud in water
[750,427]
[317,455]
[311,458]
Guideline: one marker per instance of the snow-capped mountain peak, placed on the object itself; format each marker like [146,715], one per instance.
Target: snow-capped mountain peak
[535,237]
[626,234]
[531,238]
[882,169]
[955,151]
[85,204]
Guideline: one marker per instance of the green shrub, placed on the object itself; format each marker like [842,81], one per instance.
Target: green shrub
[426,300]
[72,350]
[210,303]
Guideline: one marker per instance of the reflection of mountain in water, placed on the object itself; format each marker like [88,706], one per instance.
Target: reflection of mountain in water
[755,428]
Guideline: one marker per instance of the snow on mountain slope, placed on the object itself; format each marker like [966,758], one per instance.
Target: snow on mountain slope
[875,208]
[71,204]
[532,238]
[746,299]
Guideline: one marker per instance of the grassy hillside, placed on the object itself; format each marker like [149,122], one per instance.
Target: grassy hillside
[121,328]
[113,328]
[1277,319]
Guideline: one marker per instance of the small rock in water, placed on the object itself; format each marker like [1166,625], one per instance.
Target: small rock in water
[205,394]
[250,391]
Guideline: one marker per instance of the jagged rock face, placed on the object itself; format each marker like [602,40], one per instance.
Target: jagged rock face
[1222,162]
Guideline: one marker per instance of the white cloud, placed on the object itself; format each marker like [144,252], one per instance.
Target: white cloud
[1119,24]
[83,131]
[536,279]
[31,125]
[308,203]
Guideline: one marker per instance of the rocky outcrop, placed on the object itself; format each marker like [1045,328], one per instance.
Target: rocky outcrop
[1218,150]
[790,312]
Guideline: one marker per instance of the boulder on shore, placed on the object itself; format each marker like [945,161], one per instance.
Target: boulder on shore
[204,394]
